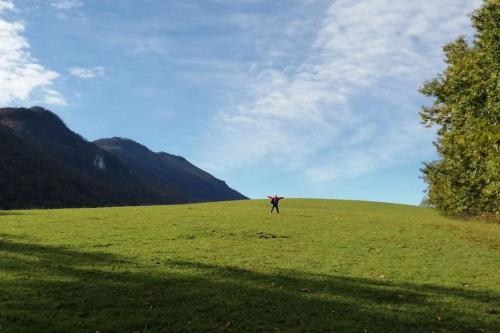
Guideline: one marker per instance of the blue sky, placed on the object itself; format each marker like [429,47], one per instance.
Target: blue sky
[309,98]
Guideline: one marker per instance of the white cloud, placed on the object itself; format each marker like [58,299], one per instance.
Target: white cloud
[145,45]
[66,4]
[86,73]
[351,105]
[53,97]
[6,4]
[20,74]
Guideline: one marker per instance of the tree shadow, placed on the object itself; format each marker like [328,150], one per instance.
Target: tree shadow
[11,213]
[54,288]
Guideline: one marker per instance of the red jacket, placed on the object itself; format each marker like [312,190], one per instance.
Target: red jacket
[274,199]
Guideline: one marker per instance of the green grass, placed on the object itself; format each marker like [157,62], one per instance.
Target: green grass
[320,266]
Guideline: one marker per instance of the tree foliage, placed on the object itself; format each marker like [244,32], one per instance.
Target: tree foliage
[465,181]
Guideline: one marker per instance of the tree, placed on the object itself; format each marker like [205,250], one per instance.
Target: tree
[465,181]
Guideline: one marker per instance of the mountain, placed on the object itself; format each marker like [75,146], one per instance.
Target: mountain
[48,132]
[166,170]
[31,178]
[45,131]
[45,164]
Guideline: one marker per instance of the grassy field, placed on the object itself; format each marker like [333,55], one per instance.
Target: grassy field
[320,266]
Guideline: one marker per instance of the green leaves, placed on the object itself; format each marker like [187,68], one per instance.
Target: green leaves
[466,180]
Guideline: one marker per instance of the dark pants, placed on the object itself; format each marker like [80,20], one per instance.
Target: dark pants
[277,209]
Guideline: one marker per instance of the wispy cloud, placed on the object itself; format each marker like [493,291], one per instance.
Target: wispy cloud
[20,74]
[86,73]
[66,4]
[351,104]
[52,97]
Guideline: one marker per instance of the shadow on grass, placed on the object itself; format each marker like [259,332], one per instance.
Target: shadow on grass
[11,213]
[49,288]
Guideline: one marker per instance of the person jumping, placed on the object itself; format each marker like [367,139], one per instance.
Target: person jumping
[274,201]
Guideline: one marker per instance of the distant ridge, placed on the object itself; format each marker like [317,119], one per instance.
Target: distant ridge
[45,164]
[166,170]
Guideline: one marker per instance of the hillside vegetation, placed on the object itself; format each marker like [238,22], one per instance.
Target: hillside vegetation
[320,266]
